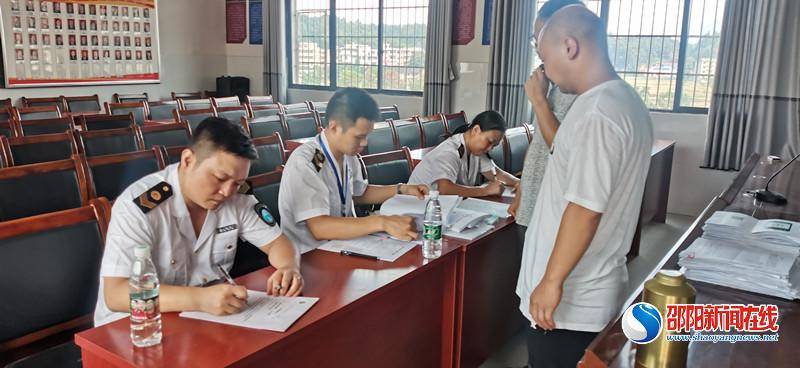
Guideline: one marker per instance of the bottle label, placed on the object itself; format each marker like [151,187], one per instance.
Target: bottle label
[432,232]
[144,308]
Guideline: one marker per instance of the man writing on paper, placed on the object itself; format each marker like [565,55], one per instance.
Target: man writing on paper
[573,264]
[191,214]
[323,179]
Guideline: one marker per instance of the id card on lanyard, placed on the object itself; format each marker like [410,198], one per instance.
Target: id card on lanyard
[341,186]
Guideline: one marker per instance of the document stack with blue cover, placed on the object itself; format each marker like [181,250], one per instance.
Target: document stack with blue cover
[742,252]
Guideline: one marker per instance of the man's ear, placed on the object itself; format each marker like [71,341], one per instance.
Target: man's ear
[571,48]
[188,157]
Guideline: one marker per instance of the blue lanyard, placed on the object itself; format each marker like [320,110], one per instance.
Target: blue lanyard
[342,189]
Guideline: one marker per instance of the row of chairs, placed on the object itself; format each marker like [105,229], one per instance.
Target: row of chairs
[29,149]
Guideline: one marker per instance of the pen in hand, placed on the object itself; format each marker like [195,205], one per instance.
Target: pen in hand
[225,274]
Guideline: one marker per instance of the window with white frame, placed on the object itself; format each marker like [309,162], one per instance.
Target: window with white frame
[665,49]
[373,44]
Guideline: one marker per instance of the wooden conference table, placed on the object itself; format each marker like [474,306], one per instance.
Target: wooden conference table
[612,349]
[451,311]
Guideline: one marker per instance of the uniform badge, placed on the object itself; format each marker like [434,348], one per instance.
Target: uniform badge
[153,196]
[318,160]
[461,151]
[263,213]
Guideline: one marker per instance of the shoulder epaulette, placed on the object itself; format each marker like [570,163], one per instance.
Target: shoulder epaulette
[153,196]
[461,151]
[245,188]
[318,160]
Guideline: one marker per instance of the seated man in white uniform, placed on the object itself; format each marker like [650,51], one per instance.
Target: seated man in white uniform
[457,165]
[190,215]
[323,179]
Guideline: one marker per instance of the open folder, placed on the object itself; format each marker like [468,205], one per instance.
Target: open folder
[263,312]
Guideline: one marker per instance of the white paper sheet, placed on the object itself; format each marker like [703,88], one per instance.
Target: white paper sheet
[483,206]
[383,247]
[263,312]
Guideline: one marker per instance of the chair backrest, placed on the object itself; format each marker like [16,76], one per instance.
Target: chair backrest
[49,267]
[109,141]
[499,154]
[518,141]
[388,168]
[189,95]
[317,106]
[259,100]
[194,117]
[161,110]
[172,154]
[82,103]
[167,135]
[265,188]
[301,125]
[137,108]
[323,119]
[233,113]
[8,128]
[110,175]
[261,111]
[433,130]
[5,103]
[42,101]
[271,154]
[45,126]
[194,104]
[408,133]
[382,138]
[126,98]
[264,127]
[40,148]
[34,189]
[295,108]
[226,101]
[104,122]
[5,152]
[209,94]
[37,112]
[390,112]
[454,121]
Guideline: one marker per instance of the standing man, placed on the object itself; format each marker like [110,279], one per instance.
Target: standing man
[573,263]
[322,180]
[191,215]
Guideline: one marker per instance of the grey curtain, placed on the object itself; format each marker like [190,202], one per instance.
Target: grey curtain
[275,78]
[438,70]
[510,65]
[756,101]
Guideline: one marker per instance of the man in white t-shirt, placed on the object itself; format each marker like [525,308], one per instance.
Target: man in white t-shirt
[573,264]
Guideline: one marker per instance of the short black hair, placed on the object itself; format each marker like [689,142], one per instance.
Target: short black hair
[551,7]
[222,134]
[349,104]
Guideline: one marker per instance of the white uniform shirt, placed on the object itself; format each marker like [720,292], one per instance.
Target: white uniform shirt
[309,189]
[450,160]
[180,257]
[599,161]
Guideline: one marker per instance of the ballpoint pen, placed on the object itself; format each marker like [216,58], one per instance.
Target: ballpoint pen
[225,274]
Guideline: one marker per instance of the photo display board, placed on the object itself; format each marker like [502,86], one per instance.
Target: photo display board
[88,42]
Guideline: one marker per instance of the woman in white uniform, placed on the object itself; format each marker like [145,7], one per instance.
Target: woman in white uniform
[457,164]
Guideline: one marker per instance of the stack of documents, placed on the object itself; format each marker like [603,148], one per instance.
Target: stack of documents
[379,246]
[408,205]
[263,312]
[739,251]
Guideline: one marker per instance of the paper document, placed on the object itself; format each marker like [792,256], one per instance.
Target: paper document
[383,247]
[509,192]
[483,206]
[263,312]
[408,205]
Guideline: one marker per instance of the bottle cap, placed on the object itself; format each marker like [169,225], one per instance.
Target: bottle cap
[141,251]
[434,194]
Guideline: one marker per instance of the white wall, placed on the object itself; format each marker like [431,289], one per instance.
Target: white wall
[193,54]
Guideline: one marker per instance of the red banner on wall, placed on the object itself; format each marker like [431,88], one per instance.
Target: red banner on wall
[464,22]
[236,21]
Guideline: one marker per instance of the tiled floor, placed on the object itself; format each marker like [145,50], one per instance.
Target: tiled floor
[656,240]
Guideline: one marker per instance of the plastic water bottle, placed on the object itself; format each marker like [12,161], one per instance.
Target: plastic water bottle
[432,234]
[144,288]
